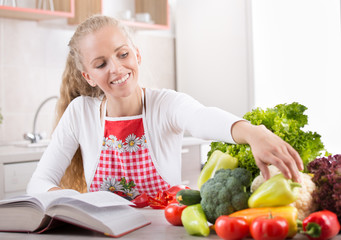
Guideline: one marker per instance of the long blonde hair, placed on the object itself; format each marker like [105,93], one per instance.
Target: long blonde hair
[74,85]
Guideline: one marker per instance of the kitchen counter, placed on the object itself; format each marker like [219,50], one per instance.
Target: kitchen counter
[18,161]
[20,153]
[10,153]
[158,229]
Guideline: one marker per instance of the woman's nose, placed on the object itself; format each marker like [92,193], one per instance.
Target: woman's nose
[115,65]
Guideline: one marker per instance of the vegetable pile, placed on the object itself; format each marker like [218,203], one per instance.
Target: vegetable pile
[286,121]
[267,214]
[327,177]
[304,202]
[236,201]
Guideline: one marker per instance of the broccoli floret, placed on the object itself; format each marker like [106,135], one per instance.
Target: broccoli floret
[243,176]
[225,193]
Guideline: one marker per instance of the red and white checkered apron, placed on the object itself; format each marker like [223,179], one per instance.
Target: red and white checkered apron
[125,154]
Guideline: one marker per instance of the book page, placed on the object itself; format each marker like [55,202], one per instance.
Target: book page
[113,220]
[47,197]
[99,199]
[38,200]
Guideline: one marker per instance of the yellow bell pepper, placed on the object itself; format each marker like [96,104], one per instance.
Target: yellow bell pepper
[288,212]
[276,191]
[194,220]
[217,160]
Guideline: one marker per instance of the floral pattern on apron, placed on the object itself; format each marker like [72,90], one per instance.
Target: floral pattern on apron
[125,155]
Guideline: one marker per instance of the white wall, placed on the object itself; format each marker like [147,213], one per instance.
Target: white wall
[297,57]
[212,53]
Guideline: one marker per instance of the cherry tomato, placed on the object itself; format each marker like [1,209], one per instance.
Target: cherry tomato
[269,228]
[173,213]
[231,228]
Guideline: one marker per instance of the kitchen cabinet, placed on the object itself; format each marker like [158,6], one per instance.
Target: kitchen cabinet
[17,165]
[152,14]
[62,9]
[193,154]
[126,10]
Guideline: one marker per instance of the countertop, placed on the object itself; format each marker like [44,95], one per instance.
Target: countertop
[11,153]
[22,151]
[158,229]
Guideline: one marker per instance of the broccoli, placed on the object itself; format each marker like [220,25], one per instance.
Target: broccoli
[225,193]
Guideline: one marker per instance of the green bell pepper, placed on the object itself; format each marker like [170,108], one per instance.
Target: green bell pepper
[276,191]
[217,160]
[194,220]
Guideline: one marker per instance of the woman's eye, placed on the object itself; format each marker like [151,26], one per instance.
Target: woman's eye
[124,55]
[101,66]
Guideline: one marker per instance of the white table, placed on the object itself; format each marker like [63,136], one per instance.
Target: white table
[158,229]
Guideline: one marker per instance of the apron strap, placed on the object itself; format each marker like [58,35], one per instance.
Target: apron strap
[144,99]
[104,110]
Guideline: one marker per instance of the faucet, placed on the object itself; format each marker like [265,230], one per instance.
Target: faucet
[35,137]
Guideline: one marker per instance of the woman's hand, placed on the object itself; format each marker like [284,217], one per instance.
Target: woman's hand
[267,148]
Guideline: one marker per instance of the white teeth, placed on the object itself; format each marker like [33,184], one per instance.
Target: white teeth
[121,80]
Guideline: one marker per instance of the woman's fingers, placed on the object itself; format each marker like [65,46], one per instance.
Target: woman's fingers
[296,157]
[284,157]
[264,170]
[268,148]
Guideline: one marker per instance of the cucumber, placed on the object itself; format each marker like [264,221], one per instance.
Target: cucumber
[188,197]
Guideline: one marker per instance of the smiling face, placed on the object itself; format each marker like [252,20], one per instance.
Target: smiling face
[110,61]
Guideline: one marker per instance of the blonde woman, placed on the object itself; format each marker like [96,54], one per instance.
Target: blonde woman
[110,128]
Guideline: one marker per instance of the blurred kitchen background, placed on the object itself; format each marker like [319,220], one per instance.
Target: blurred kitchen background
[234,54]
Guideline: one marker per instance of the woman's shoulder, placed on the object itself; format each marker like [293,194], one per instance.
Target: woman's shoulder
[82,103]
[87,100]
[163,93]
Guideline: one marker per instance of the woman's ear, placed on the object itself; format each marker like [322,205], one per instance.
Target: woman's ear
[138,56]
[87,77]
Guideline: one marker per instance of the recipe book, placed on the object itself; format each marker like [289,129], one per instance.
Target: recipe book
[101,211]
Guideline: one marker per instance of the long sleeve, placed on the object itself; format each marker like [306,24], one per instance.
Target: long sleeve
[169,115]
[185,113]
[56,157]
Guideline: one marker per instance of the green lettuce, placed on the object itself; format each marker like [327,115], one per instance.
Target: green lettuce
[284,120]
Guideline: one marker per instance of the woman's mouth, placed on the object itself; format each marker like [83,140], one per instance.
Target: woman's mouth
[122,80]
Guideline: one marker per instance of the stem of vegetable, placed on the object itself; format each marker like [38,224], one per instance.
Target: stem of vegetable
[313,230]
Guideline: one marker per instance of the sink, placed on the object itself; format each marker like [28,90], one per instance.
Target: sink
[27,144]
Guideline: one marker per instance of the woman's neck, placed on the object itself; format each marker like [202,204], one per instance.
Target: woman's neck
[127,106]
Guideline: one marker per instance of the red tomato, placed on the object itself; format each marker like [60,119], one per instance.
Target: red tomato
[269,228]
[173,214]
[231,228]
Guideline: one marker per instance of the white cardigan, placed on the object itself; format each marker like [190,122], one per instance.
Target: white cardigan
[167,116]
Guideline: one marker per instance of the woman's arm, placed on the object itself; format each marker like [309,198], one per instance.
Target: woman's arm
[185,113]
[57,156]
[268,148]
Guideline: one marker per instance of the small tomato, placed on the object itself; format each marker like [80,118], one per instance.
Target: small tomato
[269,228]
[173,214]
[231,228]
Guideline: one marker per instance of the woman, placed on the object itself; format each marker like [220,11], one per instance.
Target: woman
[112,129]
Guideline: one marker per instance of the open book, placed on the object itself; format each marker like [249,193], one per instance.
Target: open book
[101,211]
